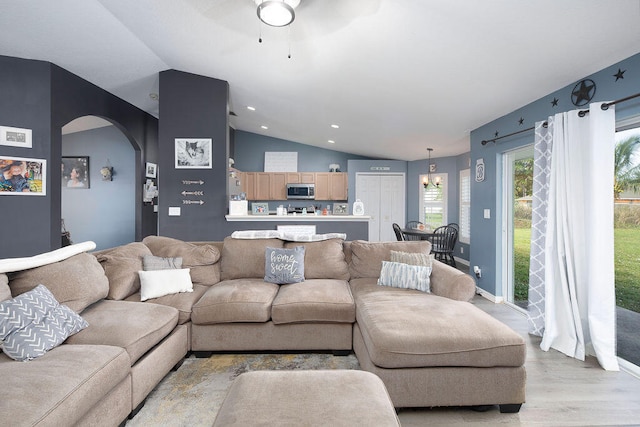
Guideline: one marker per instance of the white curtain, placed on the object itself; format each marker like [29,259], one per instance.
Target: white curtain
[572,289]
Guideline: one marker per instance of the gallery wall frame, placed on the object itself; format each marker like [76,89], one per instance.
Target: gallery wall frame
[75,172]
[21,176]
[151,170]
[15,137]
[193,153]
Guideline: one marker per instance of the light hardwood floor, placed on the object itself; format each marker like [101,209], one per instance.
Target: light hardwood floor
[561,391]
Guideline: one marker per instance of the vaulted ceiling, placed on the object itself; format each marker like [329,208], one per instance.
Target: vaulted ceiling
[396,76]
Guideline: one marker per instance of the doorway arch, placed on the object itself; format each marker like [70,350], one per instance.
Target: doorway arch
[99,209]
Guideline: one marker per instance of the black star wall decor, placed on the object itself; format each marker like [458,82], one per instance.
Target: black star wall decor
[620,74]
[521,121]
[583,92]
[496,134]
[554,103]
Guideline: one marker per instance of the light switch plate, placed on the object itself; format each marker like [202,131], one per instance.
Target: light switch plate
[487,214]
[174,211]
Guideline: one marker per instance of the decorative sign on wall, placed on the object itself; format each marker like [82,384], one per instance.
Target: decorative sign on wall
[479,170]
[281,161]
[15,137]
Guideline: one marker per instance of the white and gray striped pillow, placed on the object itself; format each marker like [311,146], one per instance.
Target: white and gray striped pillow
[399,275]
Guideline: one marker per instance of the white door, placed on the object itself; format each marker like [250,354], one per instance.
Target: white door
[383,197]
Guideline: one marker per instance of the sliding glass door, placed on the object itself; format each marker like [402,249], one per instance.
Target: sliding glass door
[517,187]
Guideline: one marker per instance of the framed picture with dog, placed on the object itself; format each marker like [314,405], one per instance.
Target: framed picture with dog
[193,153]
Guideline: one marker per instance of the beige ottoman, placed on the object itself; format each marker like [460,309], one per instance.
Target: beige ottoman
[307,398]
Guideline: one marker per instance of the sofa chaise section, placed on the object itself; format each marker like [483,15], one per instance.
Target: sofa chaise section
[69,385]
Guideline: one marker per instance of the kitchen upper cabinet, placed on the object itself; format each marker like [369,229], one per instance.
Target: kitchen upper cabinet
[278,184]
[273,185]
[331,185]
[263,186]
[248,181]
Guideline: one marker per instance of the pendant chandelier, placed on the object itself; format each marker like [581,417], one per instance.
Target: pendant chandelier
[428,180]
[277,13]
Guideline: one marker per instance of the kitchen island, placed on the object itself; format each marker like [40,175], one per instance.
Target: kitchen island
[356,227]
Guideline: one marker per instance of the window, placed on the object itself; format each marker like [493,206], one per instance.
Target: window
[433,202]
[465,206]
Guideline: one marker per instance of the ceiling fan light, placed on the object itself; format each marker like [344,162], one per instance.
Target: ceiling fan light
[276,13]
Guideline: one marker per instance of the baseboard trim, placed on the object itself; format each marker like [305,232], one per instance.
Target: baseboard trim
[489,296]
[629,368]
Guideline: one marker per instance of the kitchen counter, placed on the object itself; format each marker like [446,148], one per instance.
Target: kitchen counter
[298,218]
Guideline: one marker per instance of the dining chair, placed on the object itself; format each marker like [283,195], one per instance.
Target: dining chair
[454,225]
[398,231]
[443,243]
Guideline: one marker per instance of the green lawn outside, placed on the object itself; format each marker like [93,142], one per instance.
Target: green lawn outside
[627,266]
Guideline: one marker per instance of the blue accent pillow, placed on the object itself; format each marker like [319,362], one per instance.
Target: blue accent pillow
[284,266]
[34,322]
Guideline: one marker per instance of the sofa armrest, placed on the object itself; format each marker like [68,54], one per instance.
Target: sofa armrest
[451,283]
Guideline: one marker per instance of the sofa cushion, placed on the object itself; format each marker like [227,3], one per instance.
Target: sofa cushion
[34,322]
[399,275]
[5,291]
[323,259]
[121,265]
[182,301]
[367,257]
[59,388]
[158,283]
[239,300]
[414,258]
[315,300]
[152,262]
[76,282]
[284,266]
[136,327]
[405,328]
[200,258]
[245,258]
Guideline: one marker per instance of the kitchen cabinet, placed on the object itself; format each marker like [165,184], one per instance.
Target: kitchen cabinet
[278,186]
[248,180]
[331,185]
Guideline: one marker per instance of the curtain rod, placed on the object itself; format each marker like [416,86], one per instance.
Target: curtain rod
[581,113]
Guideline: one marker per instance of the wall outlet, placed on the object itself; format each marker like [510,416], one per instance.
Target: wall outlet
[461,250]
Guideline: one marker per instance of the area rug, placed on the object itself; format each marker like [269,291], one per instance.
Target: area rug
[192,395]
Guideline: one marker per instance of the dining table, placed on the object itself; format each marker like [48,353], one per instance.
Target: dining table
[420,234]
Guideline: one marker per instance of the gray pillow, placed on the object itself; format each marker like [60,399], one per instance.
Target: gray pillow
[34,322]
[5,291]
[284,266]
[152,262]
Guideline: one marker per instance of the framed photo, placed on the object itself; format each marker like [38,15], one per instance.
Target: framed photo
[340,209]
[433,168]
[151,170]
[75,172]
[23,177]
[15,137]
[260,208]
[193,153]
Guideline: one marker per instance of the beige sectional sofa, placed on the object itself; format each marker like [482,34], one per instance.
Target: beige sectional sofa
[430,349]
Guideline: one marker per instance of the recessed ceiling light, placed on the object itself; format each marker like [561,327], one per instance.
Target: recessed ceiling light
[331,141]
[335,126]
[264,127]
[249,107]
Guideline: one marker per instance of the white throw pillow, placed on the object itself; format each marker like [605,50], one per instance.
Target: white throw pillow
[405,276]
[158,283]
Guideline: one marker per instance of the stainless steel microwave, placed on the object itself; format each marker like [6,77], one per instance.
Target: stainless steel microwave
[301,191]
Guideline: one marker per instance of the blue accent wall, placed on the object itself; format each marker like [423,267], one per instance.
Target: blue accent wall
[486,248]
[249,149]
[104,212]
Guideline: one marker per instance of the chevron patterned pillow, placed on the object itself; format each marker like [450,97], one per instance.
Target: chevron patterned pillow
[34,322]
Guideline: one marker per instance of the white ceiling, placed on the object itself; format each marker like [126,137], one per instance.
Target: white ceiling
[398,76]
